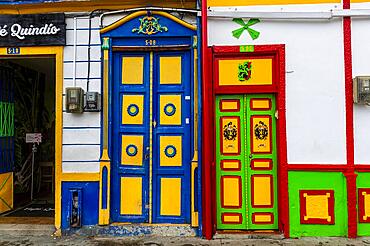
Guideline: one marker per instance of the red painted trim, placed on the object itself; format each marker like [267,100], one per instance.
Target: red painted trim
[262,223]
[252,133]
[232,214]
[208,175]
[362,168]
[261,168]
[230,169]
[271,191]
[243,89]
[230,110]
[208,164]
[240,191]
[361,205]
[350,175]
[222,138]
[303,207]
[260,99]
[317,167]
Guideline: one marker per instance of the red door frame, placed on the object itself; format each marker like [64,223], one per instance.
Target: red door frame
[211,54]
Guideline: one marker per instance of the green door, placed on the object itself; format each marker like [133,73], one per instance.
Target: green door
[246,162]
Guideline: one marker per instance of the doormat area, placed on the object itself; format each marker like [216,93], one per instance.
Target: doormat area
[33,210]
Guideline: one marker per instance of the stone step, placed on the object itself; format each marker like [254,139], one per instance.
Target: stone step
[27,229]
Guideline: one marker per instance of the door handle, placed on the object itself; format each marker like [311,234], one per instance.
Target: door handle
[146,156]
[154,123]
[250,156]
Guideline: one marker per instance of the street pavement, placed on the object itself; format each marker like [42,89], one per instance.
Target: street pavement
[14,240]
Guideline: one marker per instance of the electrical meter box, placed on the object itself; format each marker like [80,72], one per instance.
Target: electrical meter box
[74,100]
[361,90]
[92,102]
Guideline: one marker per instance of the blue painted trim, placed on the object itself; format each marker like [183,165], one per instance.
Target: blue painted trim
[84,29]
[81,45]
[81,78]
[131,150]
[80,127]
[169,148]
[92,61]
[104,188]
[200,110]
[87,161]
[169,109]
[81,144]
[132,106]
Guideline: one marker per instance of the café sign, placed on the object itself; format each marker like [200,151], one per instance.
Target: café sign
[32,30]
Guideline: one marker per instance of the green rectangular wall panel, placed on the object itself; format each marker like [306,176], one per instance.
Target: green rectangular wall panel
[303,180]
[363,181]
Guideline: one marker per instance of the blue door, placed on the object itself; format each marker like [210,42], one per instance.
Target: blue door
[152,132]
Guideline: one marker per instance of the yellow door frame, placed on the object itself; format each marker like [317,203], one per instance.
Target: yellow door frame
[57,53]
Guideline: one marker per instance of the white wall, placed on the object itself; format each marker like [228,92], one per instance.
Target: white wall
[315,99]
[81,132]
[361,66]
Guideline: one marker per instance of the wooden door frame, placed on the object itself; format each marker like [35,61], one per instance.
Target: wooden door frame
[210,89]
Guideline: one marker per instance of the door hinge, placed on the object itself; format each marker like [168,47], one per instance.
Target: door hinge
[276,114]
[154,123]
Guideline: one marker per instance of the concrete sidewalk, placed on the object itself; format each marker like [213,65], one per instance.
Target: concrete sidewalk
[10,240]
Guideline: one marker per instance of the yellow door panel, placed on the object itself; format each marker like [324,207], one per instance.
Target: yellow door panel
[231,190]
[132,70]
[132,109]
[261,134]
[261,72]
[6,192]
[170,196]
[132,150]
[170,109]
[230,135]
[131,195]
[262,194]
[170,151]
[170,70]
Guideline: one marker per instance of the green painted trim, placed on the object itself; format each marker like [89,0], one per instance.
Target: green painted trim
[302,180]
[246,173]
[272,156]
[363,229]
[219,157]
[6,119]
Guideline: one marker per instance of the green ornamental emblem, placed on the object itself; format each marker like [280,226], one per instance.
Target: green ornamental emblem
[245,71]
[149,25]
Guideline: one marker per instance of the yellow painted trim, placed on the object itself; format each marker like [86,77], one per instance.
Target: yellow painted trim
[80,177]
[87,6]
[151,136]
[106,102]
[194,162]
[140,13]
[57,53]
[222,3]
[105,160]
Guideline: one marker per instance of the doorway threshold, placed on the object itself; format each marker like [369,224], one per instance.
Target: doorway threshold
[28,229]
[250,234]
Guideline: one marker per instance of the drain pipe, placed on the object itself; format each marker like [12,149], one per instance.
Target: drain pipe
[190,11]
[74,49]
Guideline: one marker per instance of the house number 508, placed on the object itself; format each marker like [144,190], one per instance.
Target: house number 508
[150,42]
